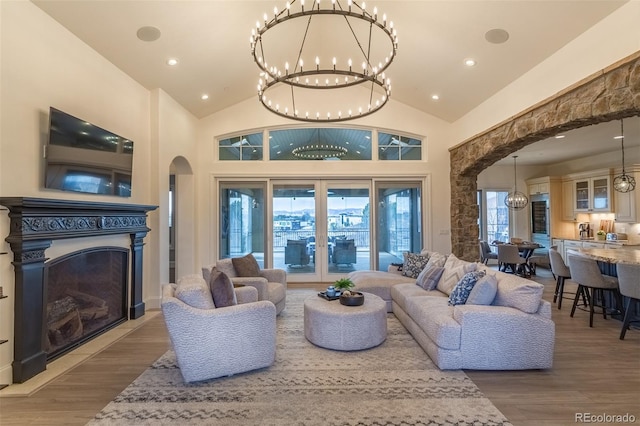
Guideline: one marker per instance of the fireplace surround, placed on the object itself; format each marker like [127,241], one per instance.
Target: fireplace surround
[34,224]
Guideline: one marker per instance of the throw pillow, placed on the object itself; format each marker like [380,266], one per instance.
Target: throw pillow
[484,291]
[429,277]
[192,290]
[461,291]
[221,289]
[414,264]
[454,270]
[246,266]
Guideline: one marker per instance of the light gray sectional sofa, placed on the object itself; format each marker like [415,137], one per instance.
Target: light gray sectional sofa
[513,330]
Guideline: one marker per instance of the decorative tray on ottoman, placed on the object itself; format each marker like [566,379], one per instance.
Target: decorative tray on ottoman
[323,294]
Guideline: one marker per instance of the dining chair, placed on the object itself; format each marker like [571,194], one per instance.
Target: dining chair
[587,274]
[485,252]
[509,256]
[629,284]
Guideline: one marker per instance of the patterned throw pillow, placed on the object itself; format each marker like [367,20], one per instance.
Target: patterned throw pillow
[461,291]
[246,266]
[429,277]
[222,289]
[414,264]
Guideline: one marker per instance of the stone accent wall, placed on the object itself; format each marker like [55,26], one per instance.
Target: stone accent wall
[610,94]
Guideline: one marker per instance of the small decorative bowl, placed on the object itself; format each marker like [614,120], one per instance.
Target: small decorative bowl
[355,299]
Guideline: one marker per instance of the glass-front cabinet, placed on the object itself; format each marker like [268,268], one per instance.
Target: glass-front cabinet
[593,194]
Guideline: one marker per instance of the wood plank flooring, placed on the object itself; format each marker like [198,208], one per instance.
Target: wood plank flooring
[594,372]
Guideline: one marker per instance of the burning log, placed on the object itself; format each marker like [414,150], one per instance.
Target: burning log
[91,307]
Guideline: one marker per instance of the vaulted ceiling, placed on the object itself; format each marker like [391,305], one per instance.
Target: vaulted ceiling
[210,40]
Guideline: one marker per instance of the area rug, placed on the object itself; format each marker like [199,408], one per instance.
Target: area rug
[392,384]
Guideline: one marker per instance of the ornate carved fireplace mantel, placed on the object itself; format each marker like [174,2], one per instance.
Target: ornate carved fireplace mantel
[34,224]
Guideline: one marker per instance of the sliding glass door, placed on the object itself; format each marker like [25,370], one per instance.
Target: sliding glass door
[242,220]
[399,221]
[321,229]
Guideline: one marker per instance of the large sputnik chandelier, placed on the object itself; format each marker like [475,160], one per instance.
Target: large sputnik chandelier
[516,200]
[324,61]
[623,182]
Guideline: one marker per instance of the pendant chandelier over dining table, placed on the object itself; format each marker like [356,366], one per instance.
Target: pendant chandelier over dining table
[516,200]
[324,61]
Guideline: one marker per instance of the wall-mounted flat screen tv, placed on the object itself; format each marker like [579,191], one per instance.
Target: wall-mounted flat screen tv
[82,157]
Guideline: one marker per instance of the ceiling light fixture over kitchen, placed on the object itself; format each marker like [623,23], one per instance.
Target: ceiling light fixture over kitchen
[623,182]
[516,200]
[321,85]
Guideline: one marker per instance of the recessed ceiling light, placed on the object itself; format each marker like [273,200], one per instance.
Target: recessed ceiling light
[172,61]
[559,136]
[204,97]
[618,137]
[469,62]
[435,97]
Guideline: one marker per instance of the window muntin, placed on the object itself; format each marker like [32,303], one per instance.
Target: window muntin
[397,147]
[241,148]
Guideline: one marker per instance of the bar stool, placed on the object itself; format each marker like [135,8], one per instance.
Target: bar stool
[586,273]
[561,272]
[629,282]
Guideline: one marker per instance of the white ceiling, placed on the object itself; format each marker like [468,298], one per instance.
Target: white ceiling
[210,38]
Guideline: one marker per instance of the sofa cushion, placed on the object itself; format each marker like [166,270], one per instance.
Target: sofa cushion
[246,266]
[519,293]
[429,277]
[435,317]
[461,291]
[221,289]
[414,264]
[454,270]
[484,291]
[193,290]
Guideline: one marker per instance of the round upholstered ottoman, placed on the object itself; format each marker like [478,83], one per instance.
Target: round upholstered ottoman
[331,325]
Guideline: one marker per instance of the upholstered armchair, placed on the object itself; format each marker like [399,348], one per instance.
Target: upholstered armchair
[270,283]
[344,252]
[211,341]
[295,253]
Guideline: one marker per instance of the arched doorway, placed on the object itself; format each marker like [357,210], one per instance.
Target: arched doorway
[610,94]
[181,218]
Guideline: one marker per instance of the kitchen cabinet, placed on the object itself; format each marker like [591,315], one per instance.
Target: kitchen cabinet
[570,245]
[538,188]
[568,212]
[588,244]
[593,194]
[559,244]
[626,204]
